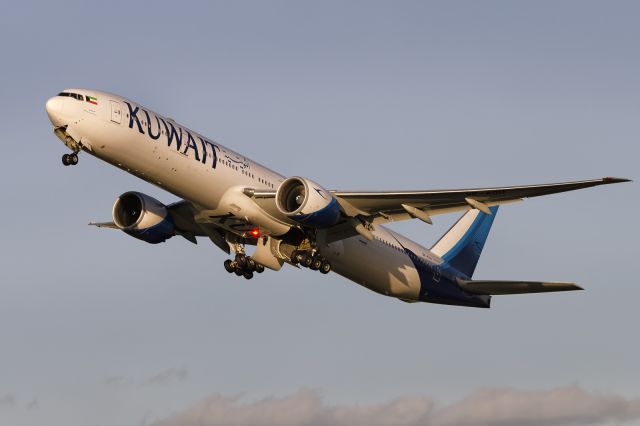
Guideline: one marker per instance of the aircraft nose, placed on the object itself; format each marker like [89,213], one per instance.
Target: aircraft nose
[54,105]
[54,110]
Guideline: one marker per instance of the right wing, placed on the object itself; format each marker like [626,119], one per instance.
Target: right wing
[110,225]
[191,222]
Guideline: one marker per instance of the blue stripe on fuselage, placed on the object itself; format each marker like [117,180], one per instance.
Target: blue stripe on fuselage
[437,284]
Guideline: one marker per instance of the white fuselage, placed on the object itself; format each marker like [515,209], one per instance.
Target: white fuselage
[211,176]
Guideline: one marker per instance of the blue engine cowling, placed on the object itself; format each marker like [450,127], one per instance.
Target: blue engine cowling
[143,217]
[307,203]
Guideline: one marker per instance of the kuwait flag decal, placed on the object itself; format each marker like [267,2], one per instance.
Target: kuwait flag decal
[92,100]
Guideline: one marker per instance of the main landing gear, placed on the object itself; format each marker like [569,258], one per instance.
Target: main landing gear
[243,265]
[311,260]
[70,159]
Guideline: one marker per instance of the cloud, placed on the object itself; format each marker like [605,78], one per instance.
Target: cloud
[166,377]
[566,406]
[7,400]
[117,381]
[33,405]
[562,406]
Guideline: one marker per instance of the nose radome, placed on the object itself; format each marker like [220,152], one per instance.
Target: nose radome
[54,110]
[54,105]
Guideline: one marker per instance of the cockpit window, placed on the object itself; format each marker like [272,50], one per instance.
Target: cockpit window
[72,95]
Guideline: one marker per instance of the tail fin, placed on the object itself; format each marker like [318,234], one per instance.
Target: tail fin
[462,245]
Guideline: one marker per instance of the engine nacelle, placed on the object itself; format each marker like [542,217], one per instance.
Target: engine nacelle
[307,203]
[143,217]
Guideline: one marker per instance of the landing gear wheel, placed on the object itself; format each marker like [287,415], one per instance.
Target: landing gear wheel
[228,265]
[65,159]
[239,271]
[316,263]
[248,275]
[259,268]
[241,260]
[297,257]
[251,264]
[306,261]
[73,159]
[325,268]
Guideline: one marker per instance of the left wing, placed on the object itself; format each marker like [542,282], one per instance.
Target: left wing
[364,209]
[401,205]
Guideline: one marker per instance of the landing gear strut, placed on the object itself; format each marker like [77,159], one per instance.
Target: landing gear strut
[243,265]
[311,260]
[70,159]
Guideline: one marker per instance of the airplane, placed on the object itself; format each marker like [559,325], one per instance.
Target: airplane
[237,203]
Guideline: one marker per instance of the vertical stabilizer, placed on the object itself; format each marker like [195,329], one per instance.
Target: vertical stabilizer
[462,245]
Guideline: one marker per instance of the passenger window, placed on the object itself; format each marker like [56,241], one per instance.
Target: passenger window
[80,98]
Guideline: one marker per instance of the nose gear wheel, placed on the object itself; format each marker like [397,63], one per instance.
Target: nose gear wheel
[70,159]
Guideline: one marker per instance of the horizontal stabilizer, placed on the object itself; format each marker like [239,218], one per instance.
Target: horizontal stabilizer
[515,287]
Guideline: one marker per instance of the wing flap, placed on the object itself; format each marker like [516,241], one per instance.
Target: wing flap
[515,287]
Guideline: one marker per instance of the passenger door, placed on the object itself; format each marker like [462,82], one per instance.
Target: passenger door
[116,112]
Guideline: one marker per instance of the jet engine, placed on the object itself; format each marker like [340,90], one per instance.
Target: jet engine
[307,203]
[143,217]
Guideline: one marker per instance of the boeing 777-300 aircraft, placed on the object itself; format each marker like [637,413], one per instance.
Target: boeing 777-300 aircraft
[236,203]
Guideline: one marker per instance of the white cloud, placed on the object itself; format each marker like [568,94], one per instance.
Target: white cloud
[566,406]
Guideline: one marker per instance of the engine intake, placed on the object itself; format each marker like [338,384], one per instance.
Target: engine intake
[143,217]
[307,203]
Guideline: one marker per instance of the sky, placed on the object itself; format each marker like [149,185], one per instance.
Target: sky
[97,328]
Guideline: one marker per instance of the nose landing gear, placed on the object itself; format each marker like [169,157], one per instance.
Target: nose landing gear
[243,266]
[70,159]
[74,145]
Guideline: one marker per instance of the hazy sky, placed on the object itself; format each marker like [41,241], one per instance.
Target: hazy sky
[97,328]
